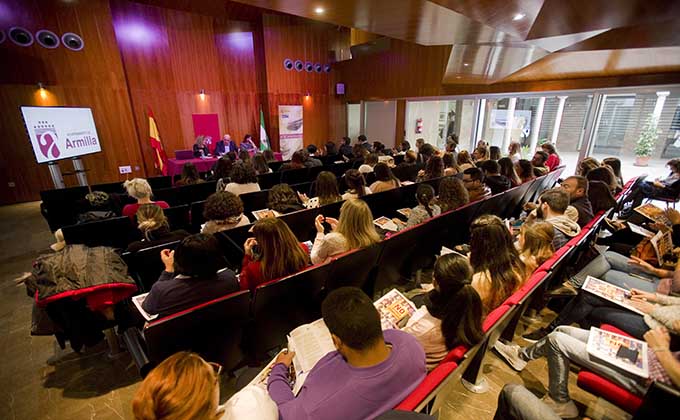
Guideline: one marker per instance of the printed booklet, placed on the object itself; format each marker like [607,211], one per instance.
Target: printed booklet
[621,352]
[394,309]
[137,301]
[653,213]
[265,213]
[608,291]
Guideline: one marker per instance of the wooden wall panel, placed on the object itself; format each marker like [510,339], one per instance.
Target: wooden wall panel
[92,78]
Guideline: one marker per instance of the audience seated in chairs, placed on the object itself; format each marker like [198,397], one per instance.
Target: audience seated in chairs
[498,269]
[353,230]
[260,164]
[384,179]
[553,158]
[326,187]
[434,168]
[274,252]
[451,314]
[473,179]
[183,386]
[221,172]
[450,165]
[269,156]
[600,196]
[525,171]
[552,207]
[385,365]
[514,152]
[569,344]
[535,243]
[193,274]
[369,163]
[587,165]
[189,176]
[153,224]
[242,179]
[223,210]
[465,161]
[662,187]
[539,163]
[356,185]
[496,182]
[606,175]
[283,199]
[297,161]
[452,194]
[507,169]
[426,207]
[615,165]
[577,188]
[408,169]
[139,189]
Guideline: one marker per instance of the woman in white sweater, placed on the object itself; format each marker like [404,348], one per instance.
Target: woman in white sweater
[353,230]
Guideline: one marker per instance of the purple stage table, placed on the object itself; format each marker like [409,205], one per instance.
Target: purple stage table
[203,165]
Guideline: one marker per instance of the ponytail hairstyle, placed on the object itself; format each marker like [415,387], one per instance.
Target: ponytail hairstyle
[355,181]
[455,302]
[425,195]
[151,218]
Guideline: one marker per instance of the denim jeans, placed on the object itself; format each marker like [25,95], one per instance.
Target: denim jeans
[614,268]
[587,309]
[568,344]
[518,403]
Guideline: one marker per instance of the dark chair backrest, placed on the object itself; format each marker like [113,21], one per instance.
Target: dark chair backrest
[281,305]
[145,265]
[252,201]
[116,232]
[339,169]
[266,181]
[355,268]
[275,166]
[213,329]
[178,217]
[294,176]
[231,244]
[196,215]
[158,182]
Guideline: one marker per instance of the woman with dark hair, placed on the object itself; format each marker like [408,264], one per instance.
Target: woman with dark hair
[346,148]
[525,171]
[615,165]
[464,161]
[356,185]
[189,175]
[243,179]
[384,179]
[404,147]
[508,171]
[452,312]
[269,156]
[408,169]
[153,224]
[330,148]
[426,208]
[326,187]
[498,269]
[244,156]
[480,153]
[283,199]
[260,164]
[604,174]
[452,194]
[553,158]
[223,210]
[193,274]
[600,196]
[494,153]
[297,161]
[662,187]
[434,168]
[248,144]
[450,165]
[222,170]
[274,252]
[359,154]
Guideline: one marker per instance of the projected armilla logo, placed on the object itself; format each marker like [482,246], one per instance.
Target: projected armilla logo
[47,139]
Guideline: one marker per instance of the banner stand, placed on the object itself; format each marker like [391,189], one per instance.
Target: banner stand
[79,170]
[55,172]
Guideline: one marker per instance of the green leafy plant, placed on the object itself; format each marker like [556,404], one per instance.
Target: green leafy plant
[648,136]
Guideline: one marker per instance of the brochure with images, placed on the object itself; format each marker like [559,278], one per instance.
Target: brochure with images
[622,352]
[608,291]
[138,301]
[394,309]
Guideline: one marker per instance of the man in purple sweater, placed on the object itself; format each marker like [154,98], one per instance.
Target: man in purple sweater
[369,374]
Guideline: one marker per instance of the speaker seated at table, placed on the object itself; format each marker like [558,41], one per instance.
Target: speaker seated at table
[184,154]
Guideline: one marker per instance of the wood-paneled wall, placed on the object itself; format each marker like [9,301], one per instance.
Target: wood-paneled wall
[142,57]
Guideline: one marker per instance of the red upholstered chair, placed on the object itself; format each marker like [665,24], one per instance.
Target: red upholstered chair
[98,297]
[533,282]
[455,355]
[494,316]
[428,388]
[602,387]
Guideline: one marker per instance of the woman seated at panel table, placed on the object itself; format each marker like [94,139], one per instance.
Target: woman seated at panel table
[200,148]
[223,210]
[153,224]
[353,230]
[193,274]
[139,189]
[248,144]
[274,252]
[451,314]
[498,269]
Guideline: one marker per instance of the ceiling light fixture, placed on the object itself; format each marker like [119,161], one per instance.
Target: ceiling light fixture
[518,16]
[319,10]
[202,94]
[465,64]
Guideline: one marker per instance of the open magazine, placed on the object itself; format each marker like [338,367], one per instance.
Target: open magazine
[137,301]
[386,223]
[622,352]
[608,291]
[653,213]
[406,212]
[662,243]
[394,309]
[265,213]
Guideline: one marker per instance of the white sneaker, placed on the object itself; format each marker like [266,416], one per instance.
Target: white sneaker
[566,410]
[510,353]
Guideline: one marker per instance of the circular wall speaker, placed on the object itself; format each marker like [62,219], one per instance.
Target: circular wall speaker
[299,65]
[47,39]
[327,68]
[2,36]
[318,68]
[72,41]
[288,64]
[309,67]
[20,36]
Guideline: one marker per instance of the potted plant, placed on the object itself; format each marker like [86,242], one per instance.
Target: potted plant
[646,143]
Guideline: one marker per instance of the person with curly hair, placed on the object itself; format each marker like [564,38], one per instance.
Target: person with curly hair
[223,210]
[243,179]
[452,194]
[283,199]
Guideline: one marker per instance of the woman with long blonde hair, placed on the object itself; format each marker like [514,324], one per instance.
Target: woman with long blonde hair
[274,252]
[183,386]
[153,224]
[353,230]
[535,244]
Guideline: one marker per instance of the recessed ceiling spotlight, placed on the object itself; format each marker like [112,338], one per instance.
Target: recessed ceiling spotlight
[466,64]
[518,16]
[319,10]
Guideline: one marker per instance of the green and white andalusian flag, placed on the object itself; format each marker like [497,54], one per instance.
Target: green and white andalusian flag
[264,139]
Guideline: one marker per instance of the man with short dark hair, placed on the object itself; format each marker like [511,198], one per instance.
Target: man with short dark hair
[363,141]
[473,179]
[538,161]
[308,161]
[370,373]
[577,188]
[551,207]
[346,147]
[496,182]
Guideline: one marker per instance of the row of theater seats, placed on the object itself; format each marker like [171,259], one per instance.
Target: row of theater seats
[466,364]
[261,322]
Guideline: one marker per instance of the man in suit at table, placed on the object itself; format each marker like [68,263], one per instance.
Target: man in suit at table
[225,146]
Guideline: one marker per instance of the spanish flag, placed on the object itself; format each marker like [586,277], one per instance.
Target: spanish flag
[160,158]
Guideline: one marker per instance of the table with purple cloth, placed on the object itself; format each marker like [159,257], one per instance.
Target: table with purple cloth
[203,165]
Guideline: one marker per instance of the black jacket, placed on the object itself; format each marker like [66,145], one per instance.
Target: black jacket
[497,183]
[585,210]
